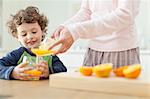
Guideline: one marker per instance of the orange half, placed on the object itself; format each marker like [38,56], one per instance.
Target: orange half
[41,52]
[133,71]
[86,71]
[103,70]
[119,71]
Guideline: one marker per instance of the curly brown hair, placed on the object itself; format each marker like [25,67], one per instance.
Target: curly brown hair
[29,15]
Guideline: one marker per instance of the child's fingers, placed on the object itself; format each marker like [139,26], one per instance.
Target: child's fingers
[24,76]
[41,68]
[22,65]
[45,74]
[42,63]
[23,69]
[44,69]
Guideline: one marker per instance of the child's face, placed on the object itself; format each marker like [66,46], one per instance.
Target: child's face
[29,35]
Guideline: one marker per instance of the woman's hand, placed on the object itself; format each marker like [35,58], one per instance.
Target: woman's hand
[56,33]
[18,72]
[64,38]
[43,67]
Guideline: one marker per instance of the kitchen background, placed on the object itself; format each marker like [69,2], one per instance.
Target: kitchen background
[57,12]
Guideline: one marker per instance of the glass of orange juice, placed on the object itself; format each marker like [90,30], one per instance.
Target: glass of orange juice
[31,62]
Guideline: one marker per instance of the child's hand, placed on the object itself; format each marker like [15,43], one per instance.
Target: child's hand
[43,67]
[18,72]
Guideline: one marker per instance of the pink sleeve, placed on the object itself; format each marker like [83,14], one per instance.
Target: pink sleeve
[123,16]
[82,15]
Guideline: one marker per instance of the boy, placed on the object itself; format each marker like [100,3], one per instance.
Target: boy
[29,28]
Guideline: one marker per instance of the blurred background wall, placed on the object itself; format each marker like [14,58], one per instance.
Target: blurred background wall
[57,12]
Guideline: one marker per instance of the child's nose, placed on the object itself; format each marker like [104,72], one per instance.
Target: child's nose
[30,36]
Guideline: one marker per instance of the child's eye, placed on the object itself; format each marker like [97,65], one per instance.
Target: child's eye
[34,32]
[23,34]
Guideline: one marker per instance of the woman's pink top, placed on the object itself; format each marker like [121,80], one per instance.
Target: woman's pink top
[109,24]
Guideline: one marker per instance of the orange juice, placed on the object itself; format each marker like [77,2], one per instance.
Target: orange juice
[35,73]
[42,52]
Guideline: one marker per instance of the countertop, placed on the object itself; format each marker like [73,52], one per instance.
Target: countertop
[14,89]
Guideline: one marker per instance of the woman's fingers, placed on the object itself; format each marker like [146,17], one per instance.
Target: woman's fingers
[62,49]
[56,33]
[65,39]
[65,45]
[55,44]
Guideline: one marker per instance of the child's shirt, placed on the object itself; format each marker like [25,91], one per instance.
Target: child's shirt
[12,59]
[109,24]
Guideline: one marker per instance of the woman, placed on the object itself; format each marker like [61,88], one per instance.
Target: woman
[110,26]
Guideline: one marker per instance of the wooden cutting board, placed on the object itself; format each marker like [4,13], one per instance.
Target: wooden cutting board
[111,85]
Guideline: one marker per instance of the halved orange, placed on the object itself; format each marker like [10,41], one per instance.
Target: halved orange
[86,71]
[119,71]
[133,71]
[103,70]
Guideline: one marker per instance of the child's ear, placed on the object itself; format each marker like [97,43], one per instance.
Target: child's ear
[17,38]
[16,35]
[43,36]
